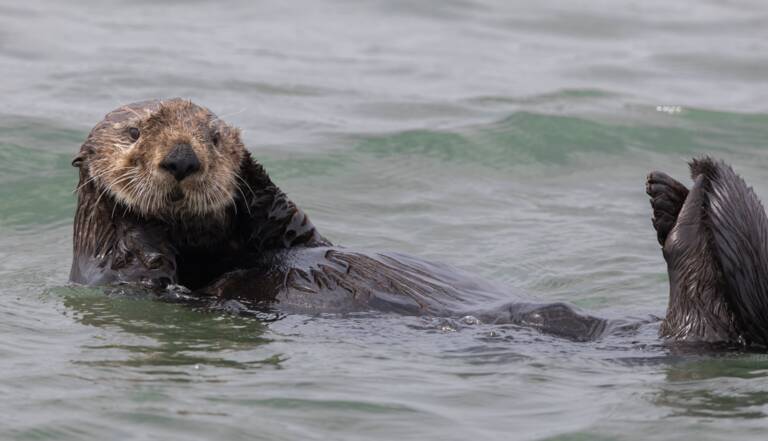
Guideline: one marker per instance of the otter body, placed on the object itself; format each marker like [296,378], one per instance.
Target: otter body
[168,194]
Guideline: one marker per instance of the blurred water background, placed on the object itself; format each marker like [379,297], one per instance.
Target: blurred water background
[508,138]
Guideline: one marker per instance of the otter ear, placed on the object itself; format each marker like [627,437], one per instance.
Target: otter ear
[78,161]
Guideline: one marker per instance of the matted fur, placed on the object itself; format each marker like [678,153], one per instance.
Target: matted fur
[738,230]
[715,242]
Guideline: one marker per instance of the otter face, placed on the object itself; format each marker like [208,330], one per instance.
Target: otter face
[166,159]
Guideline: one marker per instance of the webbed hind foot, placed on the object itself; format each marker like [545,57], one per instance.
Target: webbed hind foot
[667,198]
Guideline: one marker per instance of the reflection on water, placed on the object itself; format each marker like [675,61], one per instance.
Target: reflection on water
[163,334]
[717,386]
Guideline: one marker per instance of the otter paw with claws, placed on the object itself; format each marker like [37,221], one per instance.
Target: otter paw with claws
[667,198]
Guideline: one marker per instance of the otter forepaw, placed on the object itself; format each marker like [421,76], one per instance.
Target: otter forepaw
[667,198]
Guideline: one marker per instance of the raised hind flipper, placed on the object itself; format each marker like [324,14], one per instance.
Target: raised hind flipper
[717,258]
[667,198]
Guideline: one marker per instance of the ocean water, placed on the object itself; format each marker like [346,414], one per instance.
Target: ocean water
[507,138]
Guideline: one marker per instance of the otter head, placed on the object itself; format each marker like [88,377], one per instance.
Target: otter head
[163,159]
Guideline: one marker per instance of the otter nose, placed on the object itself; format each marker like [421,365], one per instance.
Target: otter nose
[181,162]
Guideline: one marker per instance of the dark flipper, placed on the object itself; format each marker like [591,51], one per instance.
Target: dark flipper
[667,198]
[559,319]
[738,227]
[697,311]
[717,256]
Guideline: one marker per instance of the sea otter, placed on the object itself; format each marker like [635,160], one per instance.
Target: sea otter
[168,195]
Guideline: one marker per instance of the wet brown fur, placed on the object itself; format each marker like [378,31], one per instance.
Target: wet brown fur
[126,207]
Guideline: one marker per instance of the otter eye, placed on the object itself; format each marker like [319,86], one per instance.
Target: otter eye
[134,132]
[216,138]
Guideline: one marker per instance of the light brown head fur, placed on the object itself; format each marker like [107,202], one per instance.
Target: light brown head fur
[123,156]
